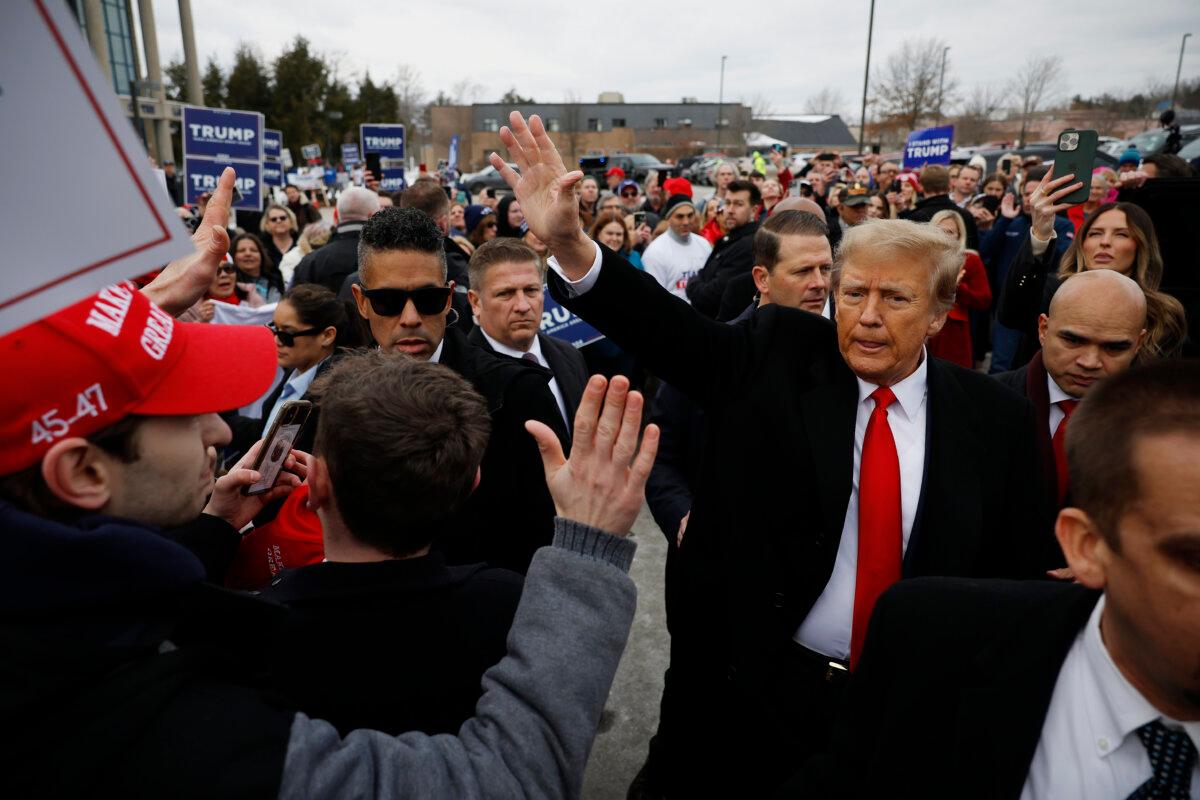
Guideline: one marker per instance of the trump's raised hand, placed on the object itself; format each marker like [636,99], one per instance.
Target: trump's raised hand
[546,191]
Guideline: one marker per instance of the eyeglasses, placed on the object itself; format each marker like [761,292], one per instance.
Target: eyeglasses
[276,219]
[428,300]
[288,338]
[227,269]
[489,224]
[629,194]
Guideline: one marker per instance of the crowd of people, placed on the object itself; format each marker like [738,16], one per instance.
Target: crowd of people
[889,572]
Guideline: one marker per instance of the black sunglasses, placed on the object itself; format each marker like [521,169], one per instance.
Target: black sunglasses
[428,300]
[276,219]
[227,269]
[288,338]
[629,194]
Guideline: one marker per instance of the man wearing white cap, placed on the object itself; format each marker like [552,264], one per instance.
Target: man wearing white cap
[680,253]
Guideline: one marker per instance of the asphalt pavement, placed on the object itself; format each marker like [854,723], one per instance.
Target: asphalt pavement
[631,715]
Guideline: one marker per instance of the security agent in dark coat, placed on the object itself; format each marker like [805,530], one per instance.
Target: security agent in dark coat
[749,585]
[733,253]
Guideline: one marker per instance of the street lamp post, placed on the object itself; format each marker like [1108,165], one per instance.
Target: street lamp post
[862,120]
[941,83]
[720,101]
[1175,91]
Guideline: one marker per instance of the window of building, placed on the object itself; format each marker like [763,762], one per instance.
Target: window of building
[491,124]
[120,45]
[594,125]
[553,124]
[685,123]
[618,122]
[660,123]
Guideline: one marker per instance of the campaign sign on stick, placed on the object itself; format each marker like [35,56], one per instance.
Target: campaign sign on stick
[272,174]
[55,93]
[272,143]
[222,133]
[930,146]
[201,174]
[386,140]
[285,158]
[562,324]
[311,153]
[452,161]
[350,155]
[391,179]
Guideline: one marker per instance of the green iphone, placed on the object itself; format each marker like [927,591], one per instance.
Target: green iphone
[1076,155]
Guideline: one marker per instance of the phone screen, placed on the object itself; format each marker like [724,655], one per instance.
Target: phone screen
[280,446]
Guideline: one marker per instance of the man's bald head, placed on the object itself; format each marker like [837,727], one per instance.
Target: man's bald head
[357,204]
[799,204]
[1095,327]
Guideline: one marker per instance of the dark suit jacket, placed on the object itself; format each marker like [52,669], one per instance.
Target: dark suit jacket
[928,206]
[733,254]
[776,476]
[1029,381]
[329,265]
[247,430]
[570,371]
[952,690]
[391,645]
[510,514]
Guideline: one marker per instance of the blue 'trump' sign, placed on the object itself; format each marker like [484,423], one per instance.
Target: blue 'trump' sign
[220,133]
[562,324]
[386,140]
[272,143]
[930,146]
[200,176]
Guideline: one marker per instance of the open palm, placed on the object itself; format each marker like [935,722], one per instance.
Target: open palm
[544,188]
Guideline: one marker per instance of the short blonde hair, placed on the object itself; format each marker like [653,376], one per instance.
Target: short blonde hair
[946,213]
[883,239]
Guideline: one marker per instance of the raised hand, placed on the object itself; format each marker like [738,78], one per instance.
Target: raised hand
[546,191]
[1045,205]
[604,482]
[1009,207]
[185,280]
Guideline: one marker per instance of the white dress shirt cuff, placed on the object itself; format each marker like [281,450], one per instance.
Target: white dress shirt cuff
[584,284]
[1039,245]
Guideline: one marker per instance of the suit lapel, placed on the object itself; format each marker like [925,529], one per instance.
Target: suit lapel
[572,393]
[1039,395]
[947,521]
[1003,704]
[829,411]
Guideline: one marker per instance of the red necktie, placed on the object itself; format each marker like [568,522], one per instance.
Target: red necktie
[879,519]
[1060,449]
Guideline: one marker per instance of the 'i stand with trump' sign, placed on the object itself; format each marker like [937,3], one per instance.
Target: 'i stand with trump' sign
[930,146]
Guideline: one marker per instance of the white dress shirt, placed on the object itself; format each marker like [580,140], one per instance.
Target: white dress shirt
[1089,745]
[827,627]
[436,358]
[294,389]
[826,311]
[1057,395]
[581,286]
[536,351]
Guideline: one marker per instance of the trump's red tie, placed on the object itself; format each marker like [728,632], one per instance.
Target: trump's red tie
[879,524]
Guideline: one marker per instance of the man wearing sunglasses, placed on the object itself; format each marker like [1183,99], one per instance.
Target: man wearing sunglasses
[404,295]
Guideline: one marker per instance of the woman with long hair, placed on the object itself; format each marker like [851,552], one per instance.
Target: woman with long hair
[610,229]
[1116,236]
[279,232]
[509,218]
[255,267]
[953,341]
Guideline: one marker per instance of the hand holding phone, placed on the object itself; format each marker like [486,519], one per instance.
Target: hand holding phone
[278,444]
[230,503]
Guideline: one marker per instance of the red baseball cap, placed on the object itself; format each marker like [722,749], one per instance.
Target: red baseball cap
[677,186]
[113,354]
[615,171]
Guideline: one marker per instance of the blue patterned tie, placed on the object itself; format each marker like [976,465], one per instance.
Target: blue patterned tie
[1173,757]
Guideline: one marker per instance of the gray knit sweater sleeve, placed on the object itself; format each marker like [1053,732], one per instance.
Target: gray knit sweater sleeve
[534,725]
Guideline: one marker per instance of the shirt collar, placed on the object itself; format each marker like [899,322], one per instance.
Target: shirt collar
[300,381]
[825,312]
[503,349]
[1118,709]
[1057,395]
[436,358]
[910,392]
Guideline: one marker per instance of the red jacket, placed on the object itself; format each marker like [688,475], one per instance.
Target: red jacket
[953,342]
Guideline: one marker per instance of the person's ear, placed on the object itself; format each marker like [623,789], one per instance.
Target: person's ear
[1086,549]
[77,474]
[328,336]
[360,300]
[473,298]
[478,478]
[1043,322]
[935,324]
[320,488]
[762,279]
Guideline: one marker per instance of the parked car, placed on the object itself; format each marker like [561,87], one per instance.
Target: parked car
[487,178]
[1153,141]
[1191,153]
[1046,150]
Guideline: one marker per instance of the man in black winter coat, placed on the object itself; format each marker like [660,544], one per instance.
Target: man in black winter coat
[733,254]
[330,264]
[935,186]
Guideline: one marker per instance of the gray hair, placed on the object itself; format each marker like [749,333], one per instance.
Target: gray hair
[356,204]
[884,239]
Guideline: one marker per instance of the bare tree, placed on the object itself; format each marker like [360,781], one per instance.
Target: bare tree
[907,88]
[974,123]
[826,101]
[760,106]
[465,92]
[572,123]
[1036,84]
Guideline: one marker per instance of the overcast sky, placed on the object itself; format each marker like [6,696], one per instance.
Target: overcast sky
[786,51]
